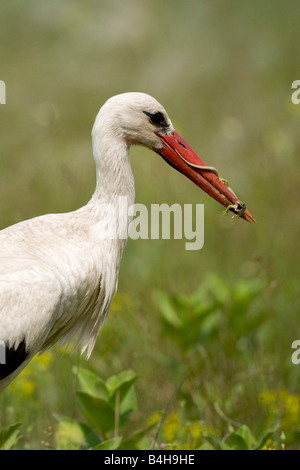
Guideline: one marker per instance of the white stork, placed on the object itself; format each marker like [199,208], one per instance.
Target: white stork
[58,274]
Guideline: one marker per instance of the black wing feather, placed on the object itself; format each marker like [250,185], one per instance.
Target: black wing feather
[13,358]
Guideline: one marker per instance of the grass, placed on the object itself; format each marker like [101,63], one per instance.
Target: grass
[224,74]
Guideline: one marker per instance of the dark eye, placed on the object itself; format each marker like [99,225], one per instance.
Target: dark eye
[157,118]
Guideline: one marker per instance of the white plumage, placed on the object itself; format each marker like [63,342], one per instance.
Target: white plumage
[58,273]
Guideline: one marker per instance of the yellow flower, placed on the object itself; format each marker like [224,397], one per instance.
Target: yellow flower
[27,387]
[196,432]
[282,404]
[171,427]
[155,418]
[187,447]
[267,397]
[24,386]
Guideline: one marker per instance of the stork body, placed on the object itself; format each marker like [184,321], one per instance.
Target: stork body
[58,273]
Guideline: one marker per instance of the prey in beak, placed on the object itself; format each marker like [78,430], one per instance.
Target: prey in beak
[177,153]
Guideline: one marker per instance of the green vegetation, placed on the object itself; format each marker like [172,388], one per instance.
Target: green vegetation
[196,351]
[206,384]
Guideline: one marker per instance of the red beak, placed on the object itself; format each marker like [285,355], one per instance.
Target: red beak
[182,157]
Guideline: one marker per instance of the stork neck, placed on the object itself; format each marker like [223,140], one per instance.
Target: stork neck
[113,172]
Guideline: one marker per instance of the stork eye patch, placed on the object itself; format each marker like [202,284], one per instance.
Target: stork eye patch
[156,118]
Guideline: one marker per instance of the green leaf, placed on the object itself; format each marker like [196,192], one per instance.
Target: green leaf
[264,436]
[131,443]
[224,446]
[216,286]
[129,402]
[109,444]
[244,293]
[72,435]
[245,433]
[241,439]
[213,439]
[206,446]
[122,394]
[91,383]
[167,310]
[9,436]
[98,412]
[121,383]
[237,442]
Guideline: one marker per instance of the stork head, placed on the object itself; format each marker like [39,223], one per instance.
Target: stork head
[138,118]
[135,117]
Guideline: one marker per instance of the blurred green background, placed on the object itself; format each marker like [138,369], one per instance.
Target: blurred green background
[223,71]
